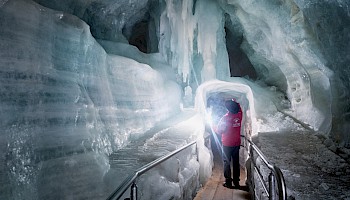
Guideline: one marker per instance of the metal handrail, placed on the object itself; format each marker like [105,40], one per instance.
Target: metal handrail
[130,181]
[276,174]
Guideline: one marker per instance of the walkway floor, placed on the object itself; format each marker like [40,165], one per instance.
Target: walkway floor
[213,189]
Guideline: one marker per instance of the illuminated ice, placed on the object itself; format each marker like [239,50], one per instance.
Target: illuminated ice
[66,104]
[71,94]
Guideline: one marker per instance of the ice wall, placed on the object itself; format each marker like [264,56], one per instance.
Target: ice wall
[297,46]
[65,104]
[287,55]
[276,39]
[260,113]
[192,39]
[329,21]
[108,19]
[188,32]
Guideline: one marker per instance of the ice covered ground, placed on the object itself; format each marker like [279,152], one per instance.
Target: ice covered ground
[313,167]
[177,178]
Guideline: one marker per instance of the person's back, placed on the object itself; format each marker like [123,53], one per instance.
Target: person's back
[231,136]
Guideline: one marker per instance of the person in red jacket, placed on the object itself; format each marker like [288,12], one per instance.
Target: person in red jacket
[229,128]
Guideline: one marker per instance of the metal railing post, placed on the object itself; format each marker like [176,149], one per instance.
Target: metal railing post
[130,181]
[197,152]
[275,179]
[272,187]
[277,186]
[133,191]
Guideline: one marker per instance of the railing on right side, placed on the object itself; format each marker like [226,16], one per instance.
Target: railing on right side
[276,188]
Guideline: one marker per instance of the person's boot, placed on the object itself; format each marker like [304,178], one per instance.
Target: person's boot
[236,185]
[228,184]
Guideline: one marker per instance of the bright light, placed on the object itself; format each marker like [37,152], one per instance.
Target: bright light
[208,118]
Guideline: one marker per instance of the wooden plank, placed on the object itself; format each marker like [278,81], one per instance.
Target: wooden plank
[214,190]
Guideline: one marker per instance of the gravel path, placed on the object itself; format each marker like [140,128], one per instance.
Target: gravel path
[310,167]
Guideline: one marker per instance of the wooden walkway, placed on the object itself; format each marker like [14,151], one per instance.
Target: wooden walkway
[213,189]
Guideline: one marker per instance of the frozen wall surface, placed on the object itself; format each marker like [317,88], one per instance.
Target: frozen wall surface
[192,38]
[107,18]
[73,89]
[300,47]
[277,40]
[297,46]
[329,22]
[259,105]
[65,104]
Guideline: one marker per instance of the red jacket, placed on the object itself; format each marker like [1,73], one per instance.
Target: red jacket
[230,129]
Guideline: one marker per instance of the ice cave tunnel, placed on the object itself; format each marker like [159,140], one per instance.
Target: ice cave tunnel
[81,81]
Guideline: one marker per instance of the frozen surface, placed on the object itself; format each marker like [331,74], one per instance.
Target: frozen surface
[311,168]
[260,104]
[68,99]
[290,55]
[107,18]
[177,178]
[66,104]
[293,45]
[297,46]
[277,41]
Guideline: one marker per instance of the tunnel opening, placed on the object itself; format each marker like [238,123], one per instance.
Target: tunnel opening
[239,63]
[217,109]
[139,36]
[143,35]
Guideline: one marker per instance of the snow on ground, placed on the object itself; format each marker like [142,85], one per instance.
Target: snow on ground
[311,170]
[176,178]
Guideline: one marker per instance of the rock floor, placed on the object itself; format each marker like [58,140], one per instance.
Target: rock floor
[310,167]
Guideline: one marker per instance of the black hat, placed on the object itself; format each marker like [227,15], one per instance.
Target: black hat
[232,106]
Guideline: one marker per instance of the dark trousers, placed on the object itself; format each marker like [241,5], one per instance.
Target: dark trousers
[231,153]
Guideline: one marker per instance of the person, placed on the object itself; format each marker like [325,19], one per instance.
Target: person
[229,128]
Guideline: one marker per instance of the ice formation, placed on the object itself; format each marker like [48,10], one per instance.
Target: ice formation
[66,103]
[73,88]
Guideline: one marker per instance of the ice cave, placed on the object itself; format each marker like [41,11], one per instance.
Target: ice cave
[91,90]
